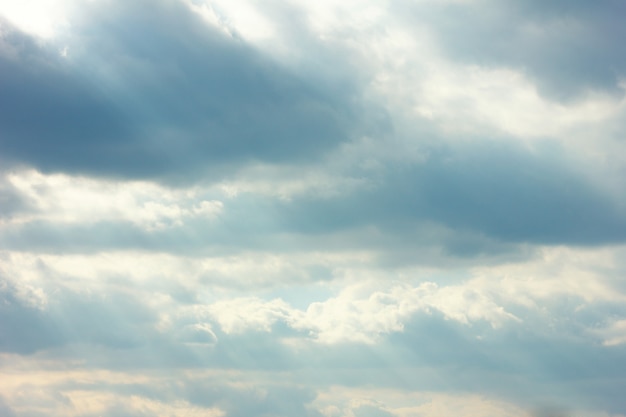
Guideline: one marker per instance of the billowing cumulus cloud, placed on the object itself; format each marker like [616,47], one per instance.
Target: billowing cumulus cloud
[355,209]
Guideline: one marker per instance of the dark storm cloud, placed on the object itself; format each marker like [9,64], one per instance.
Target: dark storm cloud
[149,90]
[566,47]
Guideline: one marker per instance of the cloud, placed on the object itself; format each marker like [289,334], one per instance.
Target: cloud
[614,334]
[164,95]
[25,328]
[358,314]
[228,208]
[502,191]
[63,199]
[192,393]
[371,411]
[489,199]
[44,19]
[5,410]
[356,402]
[430,337]
[11,201]
[567,48]
[64,317]
[277,399]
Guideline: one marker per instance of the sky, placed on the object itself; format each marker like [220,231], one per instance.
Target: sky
[229,208]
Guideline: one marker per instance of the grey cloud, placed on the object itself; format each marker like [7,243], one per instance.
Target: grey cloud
[371,411]
[153,92]
[487,200]
[148,91]
[192,239]
[550,411]
[164,96]
[5,410]
[500,191]
[90,326]
[566,47]
[263,400]
[120,410]
[236,395]
[78,238]
[116,321]
[11,201]
[24,329]
[524,362]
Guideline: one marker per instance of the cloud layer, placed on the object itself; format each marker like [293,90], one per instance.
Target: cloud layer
[354,209]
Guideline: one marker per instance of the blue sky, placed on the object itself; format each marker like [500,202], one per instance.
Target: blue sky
[324,209]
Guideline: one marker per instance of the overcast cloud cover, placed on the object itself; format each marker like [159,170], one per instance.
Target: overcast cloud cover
[338,209]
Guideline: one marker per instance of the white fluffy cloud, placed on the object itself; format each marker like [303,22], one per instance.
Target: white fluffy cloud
[65,199]
[359,314]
